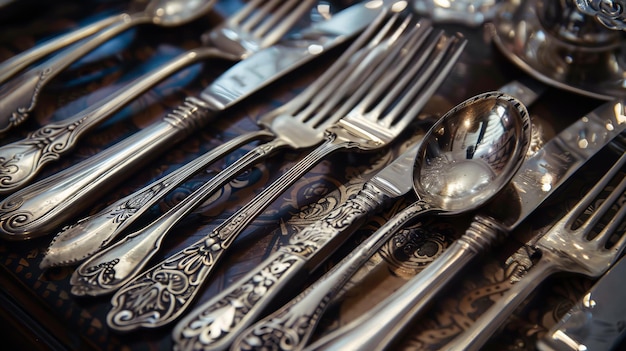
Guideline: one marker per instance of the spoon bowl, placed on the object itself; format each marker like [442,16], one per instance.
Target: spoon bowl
[472,152]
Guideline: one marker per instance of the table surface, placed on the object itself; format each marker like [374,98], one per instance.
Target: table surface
[45,314]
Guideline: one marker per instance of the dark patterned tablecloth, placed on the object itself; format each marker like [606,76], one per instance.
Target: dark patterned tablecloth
[43,314]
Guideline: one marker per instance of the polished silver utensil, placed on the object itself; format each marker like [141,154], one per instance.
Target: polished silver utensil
[561,46]
[541,174]
[255,27]
[481,143]
[166,13]
[596,321]
[404,84]
[568,246]
[44,206]
[299,124]
[18,97]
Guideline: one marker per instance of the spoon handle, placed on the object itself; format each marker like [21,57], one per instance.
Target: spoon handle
[380,326]
[295,322]
[89,235]
[18,97]
[249,296]
[42,207]
[116,265]
[25,158]
[13,65]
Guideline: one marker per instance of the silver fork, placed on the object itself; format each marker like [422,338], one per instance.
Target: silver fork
[86,237]
[161,294]
[298,124]
[257,25]
[566,247]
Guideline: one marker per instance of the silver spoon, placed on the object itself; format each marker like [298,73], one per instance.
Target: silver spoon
[19,96]
[465,159]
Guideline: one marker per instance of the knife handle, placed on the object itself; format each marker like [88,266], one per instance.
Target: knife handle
[42,207]
[25,158]
[242,303]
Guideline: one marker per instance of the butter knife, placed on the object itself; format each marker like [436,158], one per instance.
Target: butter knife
[44,206]
[538,177]
[597,321]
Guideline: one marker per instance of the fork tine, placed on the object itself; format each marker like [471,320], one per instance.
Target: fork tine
[407,77]
[359,75]
[597,215]
[317,93]
[591,195]
[451,54]
[377,72]
[283,20]
[244,12]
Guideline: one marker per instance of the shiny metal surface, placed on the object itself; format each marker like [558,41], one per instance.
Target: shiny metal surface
[40,208]
[491,130]
[19,96]
[299,124]
[610,13]
[81,240]
[465,159]
[363,129]
[467,12]
[554,43]
[243,34]
[158,12]
[406,302]
[569,246]
[596,321]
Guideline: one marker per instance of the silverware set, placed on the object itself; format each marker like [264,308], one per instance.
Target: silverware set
[388,63]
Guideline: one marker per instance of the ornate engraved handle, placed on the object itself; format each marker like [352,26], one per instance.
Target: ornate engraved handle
[378,327]
[113,267]
[18,96]
[611,14]
[44,206]
[241,304]
[23,159]
[13,65]
[294,323]
[163,293]
[84,238]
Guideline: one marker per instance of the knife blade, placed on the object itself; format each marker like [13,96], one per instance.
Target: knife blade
[597,321]
[538,177]
[44,206]
[542,173]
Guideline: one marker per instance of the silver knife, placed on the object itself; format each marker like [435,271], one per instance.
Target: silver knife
[538,177]
[597,321]
[44,206]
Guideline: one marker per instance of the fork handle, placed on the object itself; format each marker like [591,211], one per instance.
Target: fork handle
[475,337]
[13,65]
[89,235]
[42,207]
[19,95]
[25,158]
